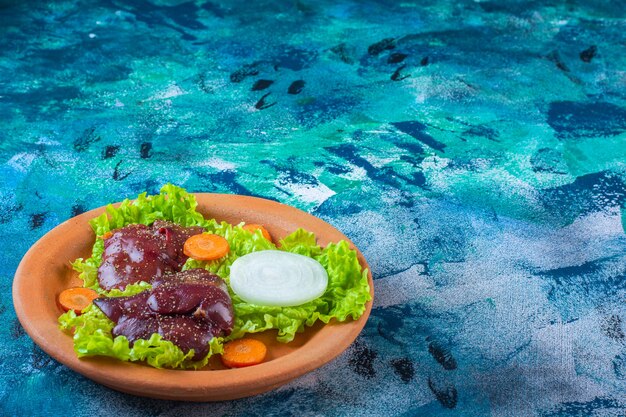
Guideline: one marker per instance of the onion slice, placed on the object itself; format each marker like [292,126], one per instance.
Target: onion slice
[277,278]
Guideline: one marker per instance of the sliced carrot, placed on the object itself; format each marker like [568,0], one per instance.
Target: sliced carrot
[243,352]
[252,227]
[107,235]
[206,247]
[77,298]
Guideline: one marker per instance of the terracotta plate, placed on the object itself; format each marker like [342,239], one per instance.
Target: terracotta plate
[44,273]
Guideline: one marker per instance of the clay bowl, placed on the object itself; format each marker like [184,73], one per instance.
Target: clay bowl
[44,272]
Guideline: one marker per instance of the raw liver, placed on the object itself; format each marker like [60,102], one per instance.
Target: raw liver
[137,253]
[188,308]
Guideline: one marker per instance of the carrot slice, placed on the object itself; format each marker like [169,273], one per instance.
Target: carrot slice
[77,298]
[206,247]
[107,235]
[252,227]
[243,352]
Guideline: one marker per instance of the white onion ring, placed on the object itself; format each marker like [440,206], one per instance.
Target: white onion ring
[277,278]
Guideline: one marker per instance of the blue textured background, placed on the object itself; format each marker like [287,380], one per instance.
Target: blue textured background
[475,152]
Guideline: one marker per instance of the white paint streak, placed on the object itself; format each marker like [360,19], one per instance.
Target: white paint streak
[309,193]
[21,161]
[172,91]
[220,164]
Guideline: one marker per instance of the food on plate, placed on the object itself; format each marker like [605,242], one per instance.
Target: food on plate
[253,227]
[77,299]
[137,253]
[277,278]
[243,352]
[206,247]
[178,311]
[188,308]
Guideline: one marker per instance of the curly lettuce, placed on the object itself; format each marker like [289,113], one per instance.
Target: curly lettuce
[345,297]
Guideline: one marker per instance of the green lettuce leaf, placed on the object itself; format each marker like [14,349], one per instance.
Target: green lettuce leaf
[301,242]
[345,297]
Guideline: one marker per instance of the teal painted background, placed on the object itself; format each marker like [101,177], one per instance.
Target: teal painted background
[474,150]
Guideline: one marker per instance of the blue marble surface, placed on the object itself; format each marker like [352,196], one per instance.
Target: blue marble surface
[474,150]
